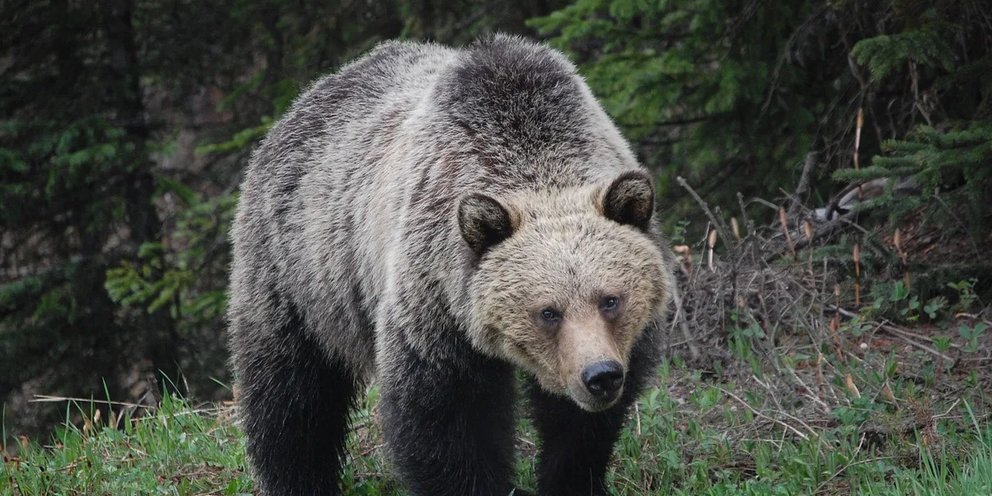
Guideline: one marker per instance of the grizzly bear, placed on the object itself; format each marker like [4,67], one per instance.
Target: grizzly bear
[436,219]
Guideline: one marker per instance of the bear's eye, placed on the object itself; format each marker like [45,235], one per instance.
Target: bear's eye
[609,303]
[550,315]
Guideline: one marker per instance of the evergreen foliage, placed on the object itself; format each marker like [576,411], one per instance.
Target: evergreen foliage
[76,195]
[124,126]
[946,58]
[745,90]
[710,90]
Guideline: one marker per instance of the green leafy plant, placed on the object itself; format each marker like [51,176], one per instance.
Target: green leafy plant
[182,276]
[966,294]
[971,334]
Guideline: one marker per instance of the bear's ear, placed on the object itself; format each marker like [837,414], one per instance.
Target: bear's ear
[484,222]
[629,199]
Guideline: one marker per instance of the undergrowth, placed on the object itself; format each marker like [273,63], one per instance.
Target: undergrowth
[176,450]
[796,390]
[689,436]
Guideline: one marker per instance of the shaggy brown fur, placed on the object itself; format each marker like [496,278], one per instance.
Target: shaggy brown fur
[431,218]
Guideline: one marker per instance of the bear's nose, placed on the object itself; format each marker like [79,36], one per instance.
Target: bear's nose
[603,379]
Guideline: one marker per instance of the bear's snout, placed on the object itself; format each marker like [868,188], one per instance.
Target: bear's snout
[603,379]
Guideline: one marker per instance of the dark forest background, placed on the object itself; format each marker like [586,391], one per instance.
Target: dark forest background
[125,125]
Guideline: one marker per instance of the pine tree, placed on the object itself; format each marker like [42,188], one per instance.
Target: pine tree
[75,195]
[735,95]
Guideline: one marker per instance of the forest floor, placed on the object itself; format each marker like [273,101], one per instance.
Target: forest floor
[788,378]
[691,434]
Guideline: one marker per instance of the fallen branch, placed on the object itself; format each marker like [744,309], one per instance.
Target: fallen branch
[892,328]
[679,319]
[42,398]
[906,336]
[718,224]
[766,417]
[820,231]
[802,189]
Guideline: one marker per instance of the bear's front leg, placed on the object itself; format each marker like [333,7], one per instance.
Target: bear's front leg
[448,425]
[294,402]
[576,445]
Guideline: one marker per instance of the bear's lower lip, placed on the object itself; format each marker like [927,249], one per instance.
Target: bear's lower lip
[595,406]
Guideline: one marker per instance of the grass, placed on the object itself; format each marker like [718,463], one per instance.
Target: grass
[707,446]
[176,450]
[691,436]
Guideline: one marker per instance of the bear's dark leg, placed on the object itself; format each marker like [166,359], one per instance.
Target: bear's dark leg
[449,427]
[576,445]
[294,409]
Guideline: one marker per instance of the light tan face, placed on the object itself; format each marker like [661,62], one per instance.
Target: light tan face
[567,294]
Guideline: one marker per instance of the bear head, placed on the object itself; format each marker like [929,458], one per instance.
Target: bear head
[566,281]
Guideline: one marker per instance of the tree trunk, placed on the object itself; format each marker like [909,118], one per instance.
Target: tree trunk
[158,330]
